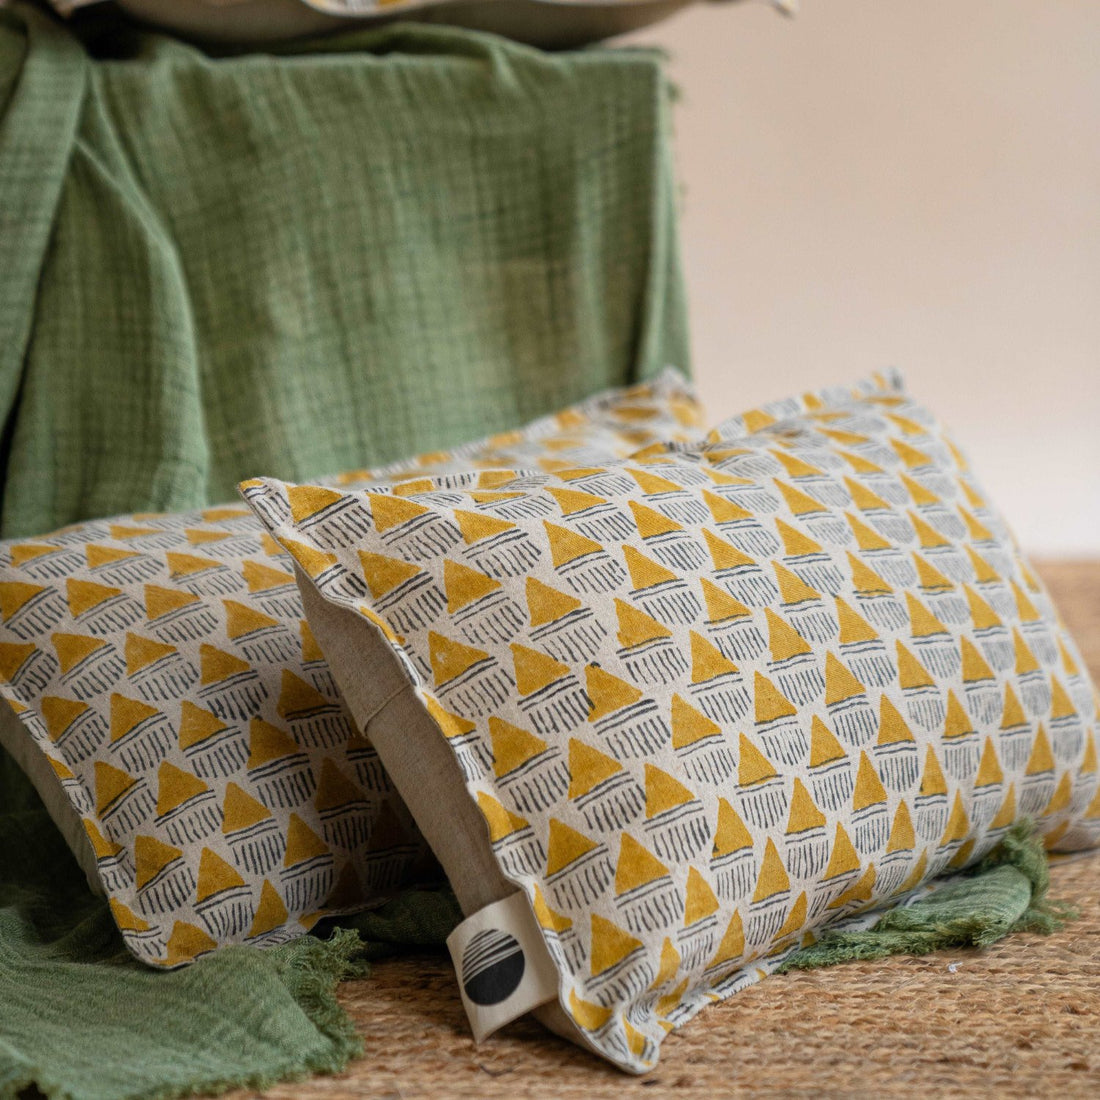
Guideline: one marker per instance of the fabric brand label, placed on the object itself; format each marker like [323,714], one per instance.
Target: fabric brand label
[503,967]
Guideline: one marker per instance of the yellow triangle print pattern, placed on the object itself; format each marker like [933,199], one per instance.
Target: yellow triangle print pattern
[637,866]
[742,688]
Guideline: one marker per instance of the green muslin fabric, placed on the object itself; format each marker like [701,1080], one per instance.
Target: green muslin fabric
[80,1019]
[1006,892]
[218,267]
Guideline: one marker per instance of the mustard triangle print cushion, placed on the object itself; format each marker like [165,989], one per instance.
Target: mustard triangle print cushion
[175,712]
[703,702]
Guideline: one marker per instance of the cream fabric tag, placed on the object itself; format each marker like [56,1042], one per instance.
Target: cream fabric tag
[503,967]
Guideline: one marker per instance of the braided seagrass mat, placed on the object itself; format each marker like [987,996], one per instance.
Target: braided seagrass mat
[1019,1019]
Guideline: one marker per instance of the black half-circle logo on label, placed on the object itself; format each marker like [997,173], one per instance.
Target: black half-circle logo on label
[492,967]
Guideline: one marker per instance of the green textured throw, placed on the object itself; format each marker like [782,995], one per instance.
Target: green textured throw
[1006,892]
[81,1020]
[399,240]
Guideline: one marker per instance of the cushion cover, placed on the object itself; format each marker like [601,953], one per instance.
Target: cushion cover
[700,703]
[181,724]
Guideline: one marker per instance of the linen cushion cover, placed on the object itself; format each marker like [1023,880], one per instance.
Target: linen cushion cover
[700,703]
[175,712]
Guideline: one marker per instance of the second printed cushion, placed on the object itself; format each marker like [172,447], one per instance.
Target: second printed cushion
[181,724]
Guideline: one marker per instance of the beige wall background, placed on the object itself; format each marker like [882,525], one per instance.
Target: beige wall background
[912,183]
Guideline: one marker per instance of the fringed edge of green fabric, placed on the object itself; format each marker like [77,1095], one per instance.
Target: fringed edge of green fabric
[311,977]
[310,970]
[1004,892]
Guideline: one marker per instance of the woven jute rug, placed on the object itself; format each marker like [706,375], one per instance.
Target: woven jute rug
[1020,1019]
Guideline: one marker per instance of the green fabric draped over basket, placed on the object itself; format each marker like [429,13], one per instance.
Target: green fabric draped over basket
[385,243]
